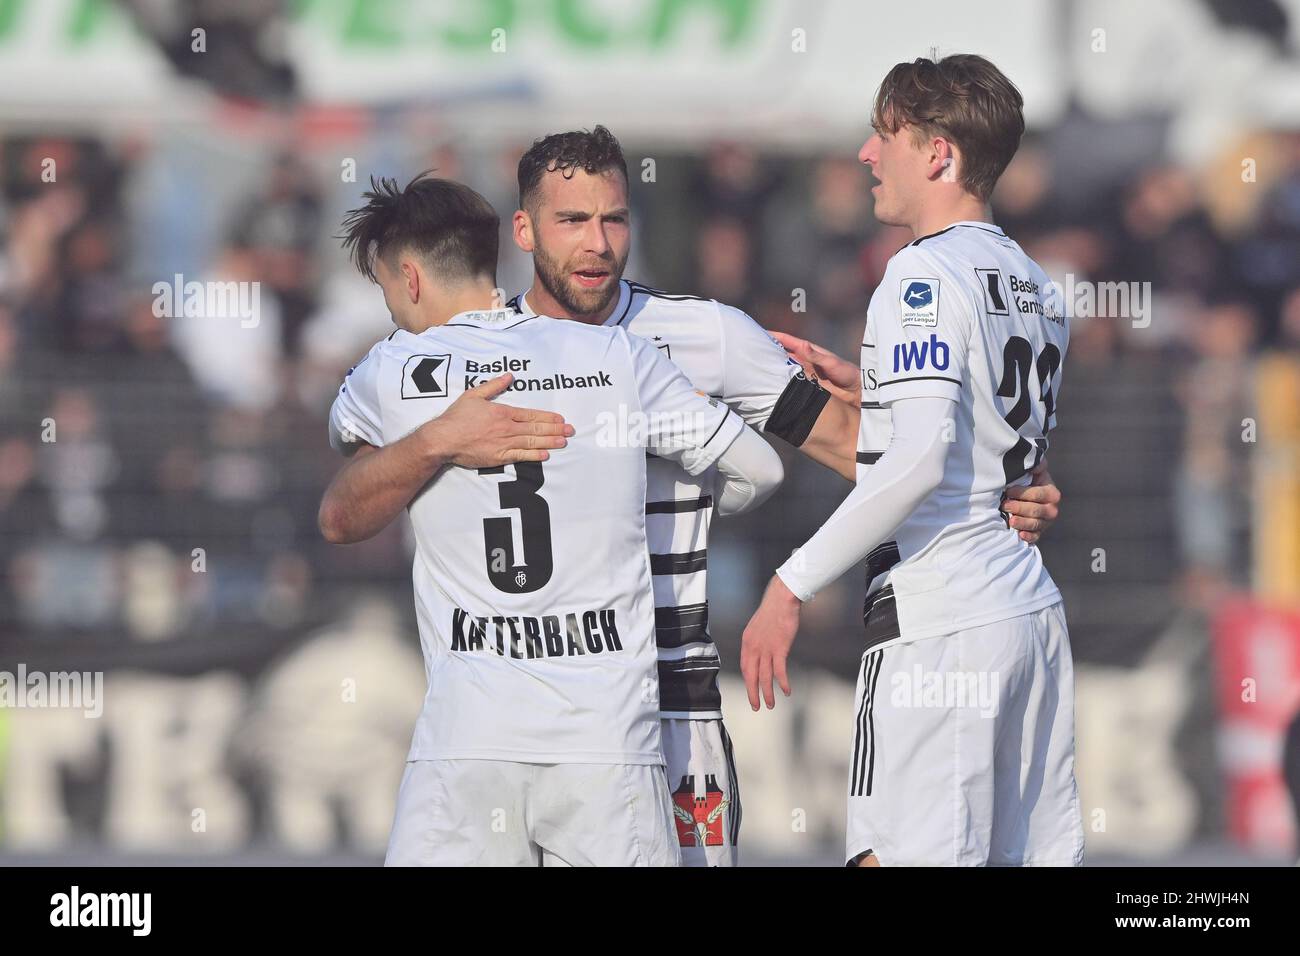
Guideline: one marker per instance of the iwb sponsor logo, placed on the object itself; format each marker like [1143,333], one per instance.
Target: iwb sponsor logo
[919,302]
[911,356]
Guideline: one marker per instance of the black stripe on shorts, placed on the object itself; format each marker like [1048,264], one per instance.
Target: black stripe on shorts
[862,774]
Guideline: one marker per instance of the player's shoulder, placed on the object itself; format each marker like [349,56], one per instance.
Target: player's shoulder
[396,342]
[670,300]
[646,303]
[652,310]
[962,242]
[373,355]
[955,256]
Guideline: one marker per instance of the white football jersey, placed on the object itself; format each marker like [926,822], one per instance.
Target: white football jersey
[532,581]
[962,314]
[727,355]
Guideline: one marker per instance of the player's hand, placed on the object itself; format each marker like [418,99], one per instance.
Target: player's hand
[1032,508]
[476,432]
[838,376]
[765,645]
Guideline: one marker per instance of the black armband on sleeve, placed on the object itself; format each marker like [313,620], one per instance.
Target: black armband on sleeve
[796,410]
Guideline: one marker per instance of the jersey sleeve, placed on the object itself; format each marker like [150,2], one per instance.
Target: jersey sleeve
[763,384]
[921,324]
[355,416]
[680,422]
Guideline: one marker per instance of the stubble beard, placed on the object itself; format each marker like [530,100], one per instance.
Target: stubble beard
[578,303]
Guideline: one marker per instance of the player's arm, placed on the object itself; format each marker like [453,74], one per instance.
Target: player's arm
[833,440]
[378,482]
[921,394]
[750,470]
[1031,509]
[771,392]
[697,432]
[906,474]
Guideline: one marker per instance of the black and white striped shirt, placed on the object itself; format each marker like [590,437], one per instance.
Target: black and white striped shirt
[728,356]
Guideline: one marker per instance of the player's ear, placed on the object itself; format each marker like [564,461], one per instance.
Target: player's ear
[523,230]
[943,160]
[411,281]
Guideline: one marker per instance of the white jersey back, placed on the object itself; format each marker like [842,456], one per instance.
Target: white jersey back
[962,314]
[727,355]
[532,581]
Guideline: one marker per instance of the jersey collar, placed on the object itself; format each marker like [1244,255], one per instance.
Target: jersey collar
[966,223]
[620,307]
[486,318]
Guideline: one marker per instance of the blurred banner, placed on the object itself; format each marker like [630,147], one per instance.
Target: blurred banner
[1258,654]
[776,71]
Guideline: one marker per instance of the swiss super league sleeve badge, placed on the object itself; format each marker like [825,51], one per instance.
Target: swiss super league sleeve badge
[919,302]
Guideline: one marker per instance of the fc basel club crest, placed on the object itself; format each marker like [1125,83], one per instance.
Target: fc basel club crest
[699,818]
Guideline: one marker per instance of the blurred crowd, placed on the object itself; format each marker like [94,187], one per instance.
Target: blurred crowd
[160,474]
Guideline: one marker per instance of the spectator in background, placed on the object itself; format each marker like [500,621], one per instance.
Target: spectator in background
[730,191]
[280,227]
[236,360]
[1165,236]
[1213,476]
[724,259]
[88,294]
[1289,323]
[735,183]
[1022,197]
[824,253]
[1268,255]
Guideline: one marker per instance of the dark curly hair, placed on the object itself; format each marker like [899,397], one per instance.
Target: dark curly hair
[594,152]
[453,228]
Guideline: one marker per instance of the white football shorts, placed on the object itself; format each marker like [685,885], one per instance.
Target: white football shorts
[963,749]
[705,795]
[505,813]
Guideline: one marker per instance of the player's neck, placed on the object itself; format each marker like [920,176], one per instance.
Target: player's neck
[543,303]
[449,303]
[938,217]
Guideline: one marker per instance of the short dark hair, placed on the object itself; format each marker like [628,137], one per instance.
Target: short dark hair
[593,152]
[963,98]
[451,226]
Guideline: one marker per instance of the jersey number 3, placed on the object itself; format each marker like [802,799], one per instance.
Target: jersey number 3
[534,570]
[1017,360]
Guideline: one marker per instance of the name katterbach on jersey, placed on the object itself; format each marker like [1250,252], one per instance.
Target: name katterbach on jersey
[521,637]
